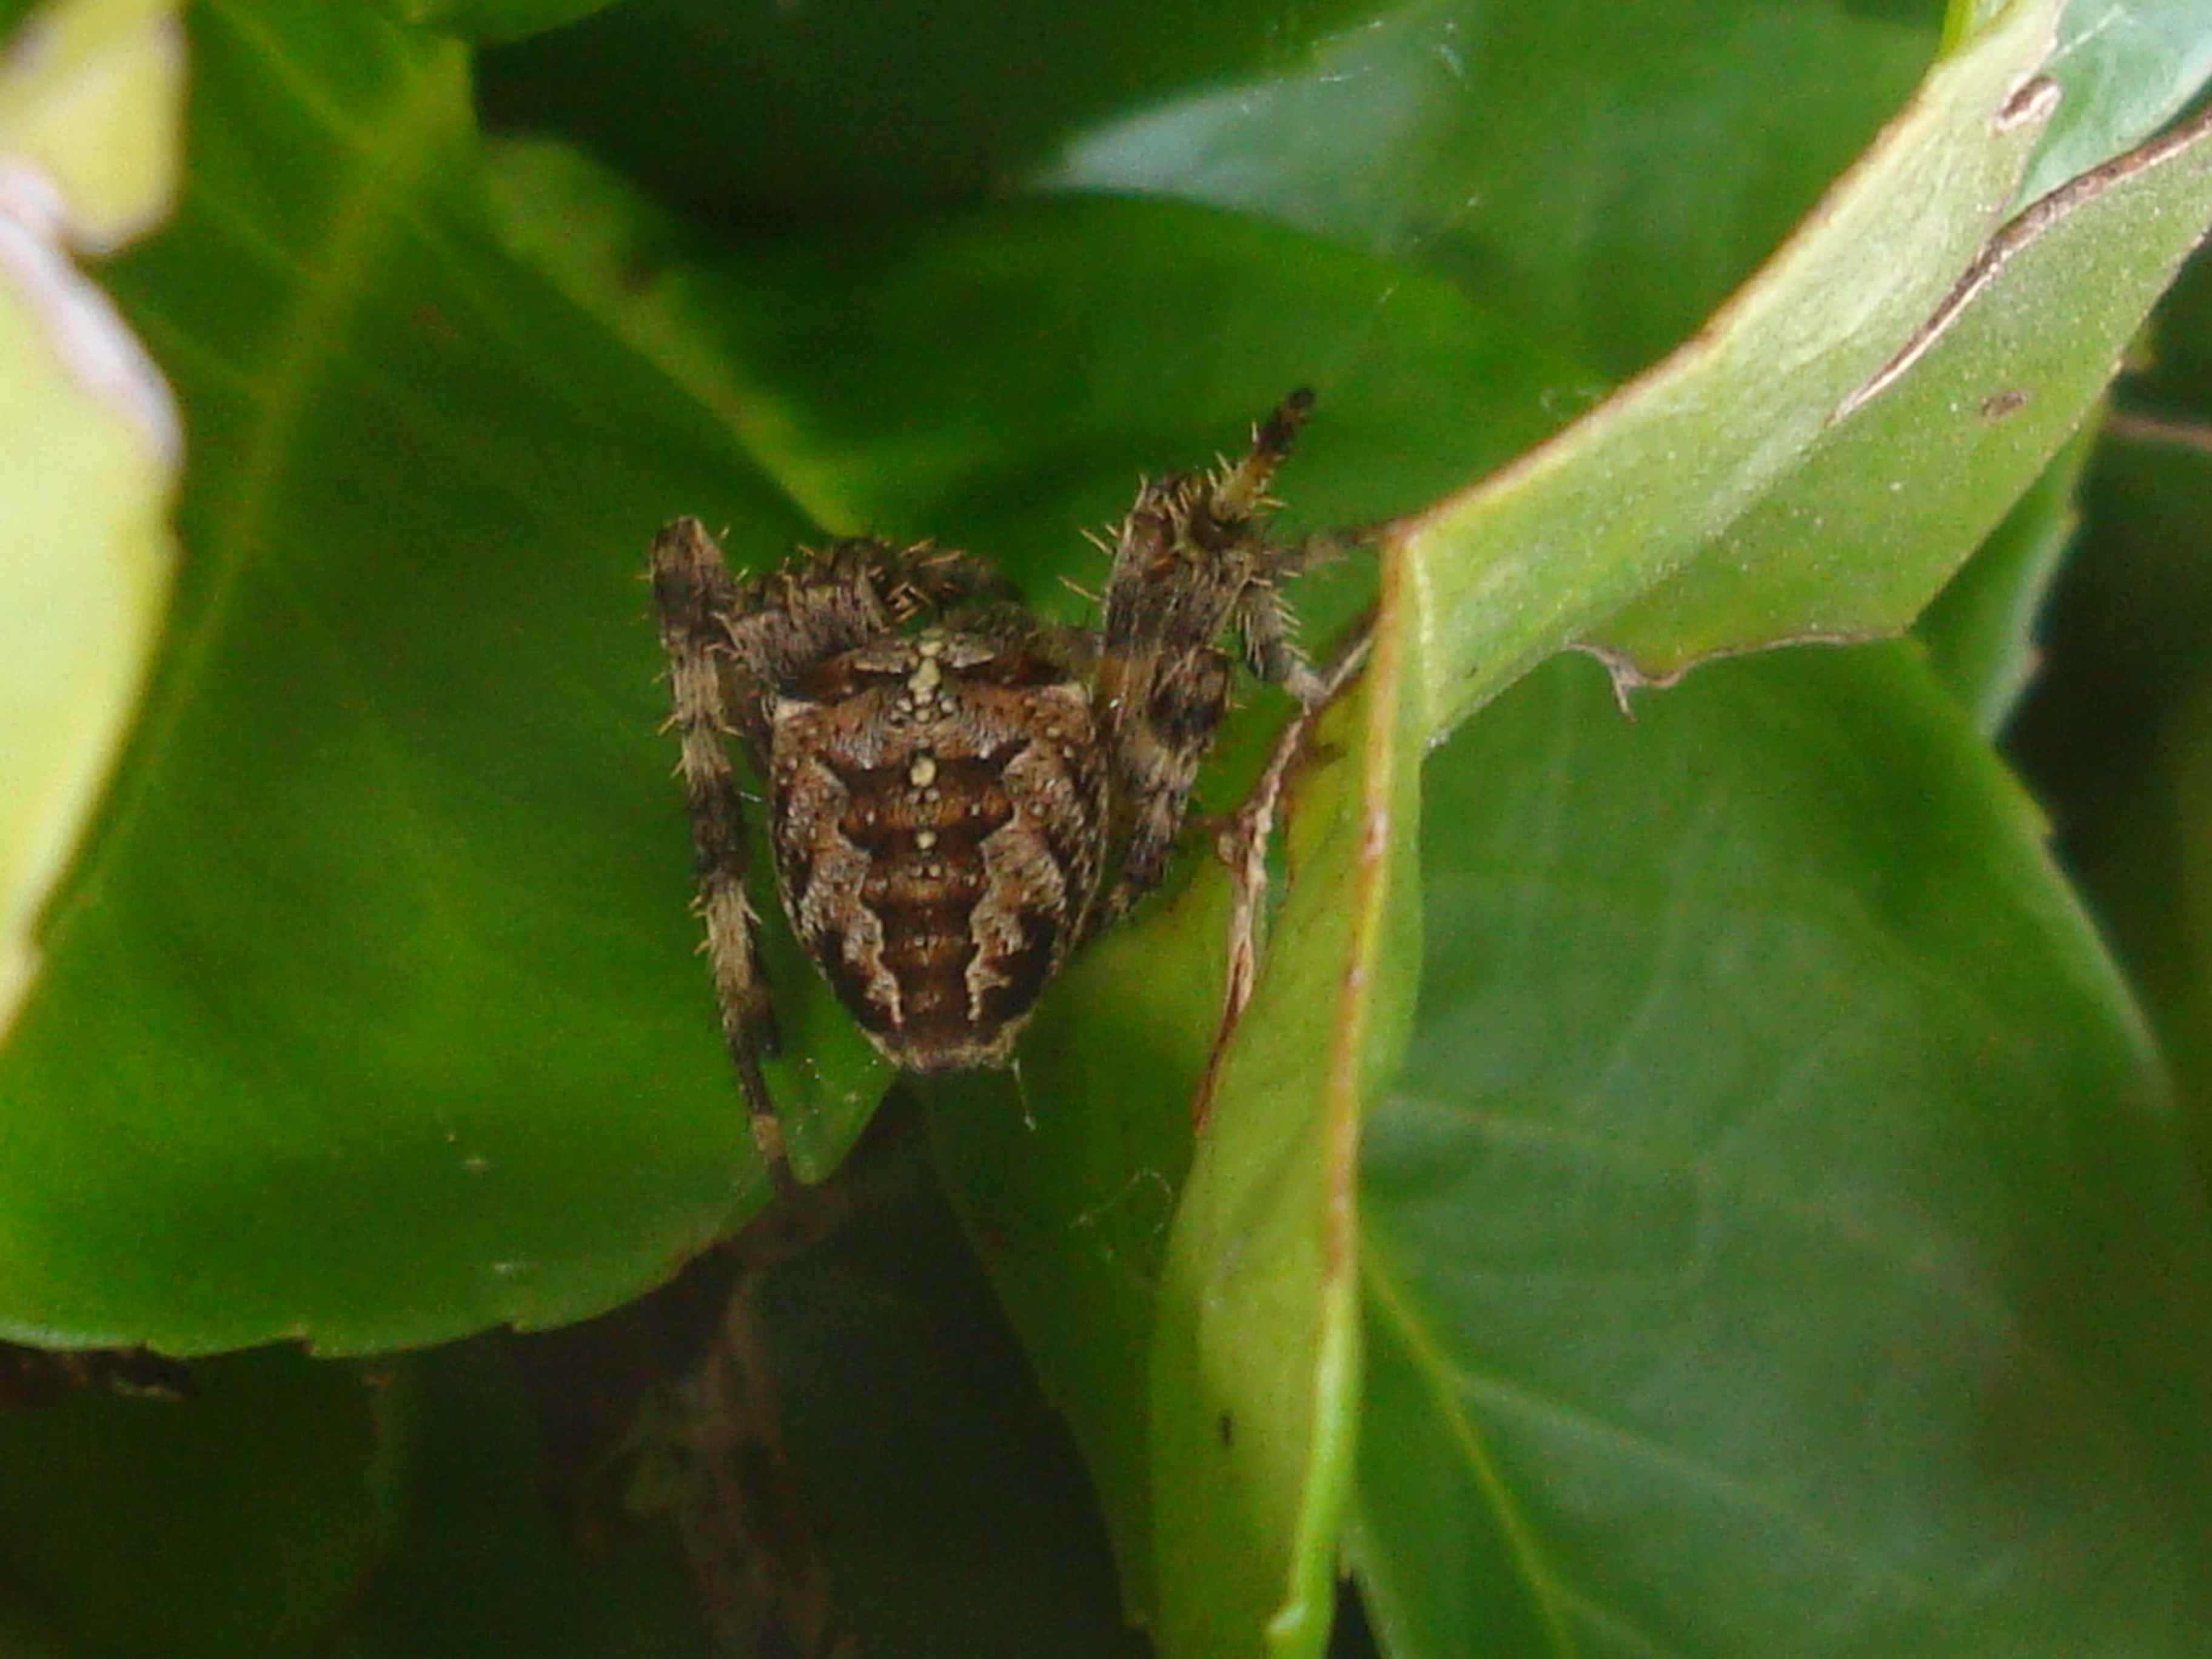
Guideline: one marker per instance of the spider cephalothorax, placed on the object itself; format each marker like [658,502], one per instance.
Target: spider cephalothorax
[960,793]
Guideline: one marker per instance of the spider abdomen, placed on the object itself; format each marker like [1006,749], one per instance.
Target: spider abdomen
[954,810]
[939,815]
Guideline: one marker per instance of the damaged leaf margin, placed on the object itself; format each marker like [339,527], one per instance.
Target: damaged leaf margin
[1919,464]
[1541,552]
[1256,1381]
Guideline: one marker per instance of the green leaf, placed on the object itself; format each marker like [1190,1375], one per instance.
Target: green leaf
[1924,461]
[238,1522]
[1256,1354]
[2125,67]
[1980,630]
[964,1524]
[1779,1239]
[1067,1180]
[1604,174]
[387,927]
[996,377]
[962,1520]
[479,1566]
[1545,550]
[798,113]
[2116,731]
[496,20]
[89,120]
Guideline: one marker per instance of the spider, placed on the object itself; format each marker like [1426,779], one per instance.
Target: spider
[959,792]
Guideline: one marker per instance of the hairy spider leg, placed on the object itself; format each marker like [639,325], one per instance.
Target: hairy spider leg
[1192,563]
[695,596]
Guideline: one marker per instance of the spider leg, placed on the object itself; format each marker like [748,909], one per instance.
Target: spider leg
[950,579]
[1264,622]
[921,578]
[1191,563]
[696,598]
[1241,493]
[1268,627]
[1158,749]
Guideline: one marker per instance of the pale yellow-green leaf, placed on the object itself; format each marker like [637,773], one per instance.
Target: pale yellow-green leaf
[92,95]
[90,119]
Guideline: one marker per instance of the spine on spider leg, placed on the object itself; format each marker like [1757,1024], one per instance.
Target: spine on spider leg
[1242,491]
[1265,622]
[693,594]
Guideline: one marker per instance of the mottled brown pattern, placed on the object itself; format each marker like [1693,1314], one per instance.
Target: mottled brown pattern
[959,794]
[936,803]
[1191,564]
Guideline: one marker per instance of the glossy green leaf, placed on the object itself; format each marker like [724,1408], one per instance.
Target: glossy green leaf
[238,1522]
[2125,67]
[1604,173]
[1255,1358]
[89,122]
[1779,1239]
[798,112]
[998,377]
[1067,1177]
[1887,500]
[1547,550]
[386,925]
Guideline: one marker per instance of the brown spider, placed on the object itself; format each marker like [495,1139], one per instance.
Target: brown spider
[960,794]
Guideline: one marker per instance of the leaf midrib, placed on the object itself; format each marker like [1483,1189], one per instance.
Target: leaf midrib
[392,150]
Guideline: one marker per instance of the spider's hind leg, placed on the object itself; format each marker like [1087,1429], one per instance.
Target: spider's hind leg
[698,601]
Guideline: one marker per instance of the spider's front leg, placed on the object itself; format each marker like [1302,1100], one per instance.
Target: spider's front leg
[696,600]
[1192,563]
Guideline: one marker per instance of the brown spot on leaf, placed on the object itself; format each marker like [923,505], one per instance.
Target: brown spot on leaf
[2033,99]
